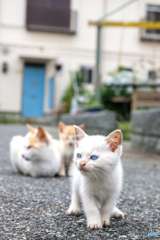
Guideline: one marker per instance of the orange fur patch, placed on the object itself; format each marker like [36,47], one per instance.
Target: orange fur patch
[68,131]
[114,139]
[30,128]
[35,142]
[38,138]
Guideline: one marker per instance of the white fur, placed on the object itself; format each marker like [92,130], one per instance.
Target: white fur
[98,186]
[67,149]
[41,162]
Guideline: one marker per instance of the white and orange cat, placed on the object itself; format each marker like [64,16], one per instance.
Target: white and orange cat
[67,141]
[36,154]
[97,179]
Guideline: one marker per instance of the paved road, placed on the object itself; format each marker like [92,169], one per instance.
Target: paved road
[35,208]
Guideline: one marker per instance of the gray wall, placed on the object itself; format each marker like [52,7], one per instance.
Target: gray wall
[145,127]
[96,122]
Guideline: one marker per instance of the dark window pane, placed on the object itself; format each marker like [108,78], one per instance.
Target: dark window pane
[29,64]
[54,3]
[50,15]
[89,75]
[153,14]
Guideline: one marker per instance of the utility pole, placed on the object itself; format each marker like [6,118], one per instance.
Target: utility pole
[99,26]
[98,64]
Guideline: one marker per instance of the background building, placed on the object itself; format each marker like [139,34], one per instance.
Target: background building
[41,41]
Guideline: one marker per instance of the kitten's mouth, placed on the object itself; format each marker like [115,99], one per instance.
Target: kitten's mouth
[25,157]
[83,170]
[70,144]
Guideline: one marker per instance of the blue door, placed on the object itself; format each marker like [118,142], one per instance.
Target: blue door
[33,90]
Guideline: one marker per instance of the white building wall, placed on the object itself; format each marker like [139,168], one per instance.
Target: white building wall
[71,51]
[13,13]
[120,46]
[11,84]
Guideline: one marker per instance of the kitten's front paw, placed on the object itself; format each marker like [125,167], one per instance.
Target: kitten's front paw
[61,174]
[74,211]
[94,225]
[117,213]
[105,222]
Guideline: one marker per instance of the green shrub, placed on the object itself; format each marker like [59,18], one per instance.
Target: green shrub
[107,93]
[125,126]
[67,97]
[77,81]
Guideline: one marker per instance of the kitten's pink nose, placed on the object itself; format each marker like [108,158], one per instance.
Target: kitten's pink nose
[82,163]
[23,156]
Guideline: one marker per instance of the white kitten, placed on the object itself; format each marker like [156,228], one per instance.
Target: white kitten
[36,154]
[97,179]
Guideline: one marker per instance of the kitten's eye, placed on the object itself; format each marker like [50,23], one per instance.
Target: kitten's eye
[79,155]
[94,157]
[29,147]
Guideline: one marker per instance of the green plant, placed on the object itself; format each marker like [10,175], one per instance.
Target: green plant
[107,93]
[125,126]
[77,81]
[67,97]
[123,92]
[4,119]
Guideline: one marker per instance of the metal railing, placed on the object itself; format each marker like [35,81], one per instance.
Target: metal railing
[149,34]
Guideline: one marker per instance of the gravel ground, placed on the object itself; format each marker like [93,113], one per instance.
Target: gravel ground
[35,208]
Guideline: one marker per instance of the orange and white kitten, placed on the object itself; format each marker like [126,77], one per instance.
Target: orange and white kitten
[67,141]
[36,154]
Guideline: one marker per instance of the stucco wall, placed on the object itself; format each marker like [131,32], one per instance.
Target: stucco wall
[11,84]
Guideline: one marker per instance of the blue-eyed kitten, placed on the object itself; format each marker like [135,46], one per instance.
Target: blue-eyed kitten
[97,179]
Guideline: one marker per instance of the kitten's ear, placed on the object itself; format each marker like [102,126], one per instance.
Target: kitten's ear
[61,126]
[114,139]
[82,126]
[30,128]
[79,133]
[41,135]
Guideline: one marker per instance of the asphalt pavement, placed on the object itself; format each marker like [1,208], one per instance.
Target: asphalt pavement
[35,208]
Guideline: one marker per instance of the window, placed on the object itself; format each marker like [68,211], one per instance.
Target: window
[50,16]
[152,14]
[88,74]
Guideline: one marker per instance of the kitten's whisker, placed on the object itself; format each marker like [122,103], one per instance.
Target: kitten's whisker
[99,174]
[99,169]
[95,176]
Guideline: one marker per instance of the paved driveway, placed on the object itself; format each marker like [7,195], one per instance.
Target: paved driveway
[35,208]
